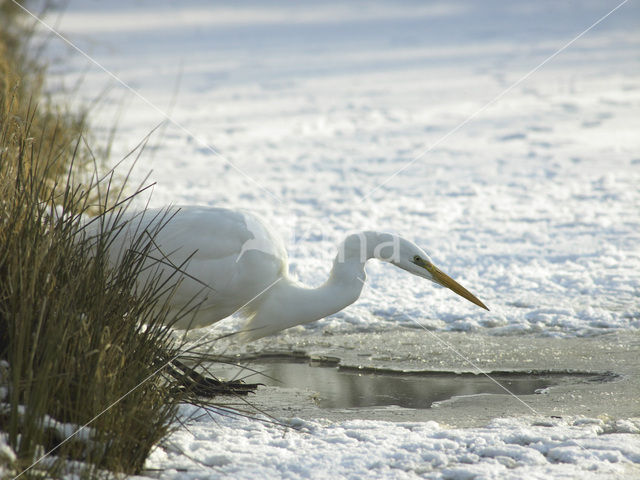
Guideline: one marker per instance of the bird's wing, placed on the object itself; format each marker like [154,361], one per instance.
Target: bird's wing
[197,232]
[202,232]
[227,256]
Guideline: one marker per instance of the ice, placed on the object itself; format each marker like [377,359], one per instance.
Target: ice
[420,119]
[506,448]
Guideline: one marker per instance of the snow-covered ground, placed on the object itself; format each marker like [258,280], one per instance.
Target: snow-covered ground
[360,449]
[424,119]
[339,118]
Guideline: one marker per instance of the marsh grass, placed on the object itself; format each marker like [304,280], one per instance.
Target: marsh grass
[76,336]
[32,112]
[81,342]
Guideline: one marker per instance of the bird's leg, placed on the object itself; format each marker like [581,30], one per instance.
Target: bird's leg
[203,386]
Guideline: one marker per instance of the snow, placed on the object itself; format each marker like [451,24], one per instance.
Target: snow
[426,120]
[348,118]
[240,448]
[7,456]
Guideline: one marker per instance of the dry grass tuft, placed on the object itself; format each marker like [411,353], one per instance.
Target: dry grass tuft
[76,345]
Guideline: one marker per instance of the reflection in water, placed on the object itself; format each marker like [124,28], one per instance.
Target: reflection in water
[347,389]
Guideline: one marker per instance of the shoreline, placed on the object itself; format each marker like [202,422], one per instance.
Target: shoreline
[617,353]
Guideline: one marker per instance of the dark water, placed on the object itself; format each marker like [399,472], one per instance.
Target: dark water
[349,388]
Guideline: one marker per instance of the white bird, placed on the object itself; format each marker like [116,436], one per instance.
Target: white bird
[230,261]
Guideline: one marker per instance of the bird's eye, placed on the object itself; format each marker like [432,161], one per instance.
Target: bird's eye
[417,258]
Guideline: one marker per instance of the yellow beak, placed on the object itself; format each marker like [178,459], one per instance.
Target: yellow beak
[446,281]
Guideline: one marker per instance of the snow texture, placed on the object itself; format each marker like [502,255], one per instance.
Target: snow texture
[360,449]
[417,119]
[430,120]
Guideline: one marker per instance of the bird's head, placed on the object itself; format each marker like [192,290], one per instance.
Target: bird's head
[413,259]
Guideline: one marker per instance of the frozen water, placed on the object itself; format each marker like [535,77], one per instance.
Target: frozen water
[407,117]
[340,387]
[506,448]
[346,118]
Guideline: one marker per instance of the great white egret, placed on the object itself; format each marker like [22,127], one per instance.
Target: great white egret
[230,261]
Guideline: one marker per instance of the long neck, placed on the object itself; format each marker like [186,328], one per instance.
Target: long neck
[342,288]
[288,304]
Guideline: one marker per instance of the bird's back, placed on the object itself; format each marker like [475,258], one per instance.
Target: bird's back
[227,256]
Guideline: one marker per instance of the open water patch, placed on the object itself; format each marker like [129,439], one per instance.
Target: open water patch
[336,386]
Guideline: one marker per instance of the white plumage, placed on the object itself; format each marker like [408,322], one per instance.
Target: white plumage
[232,261]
